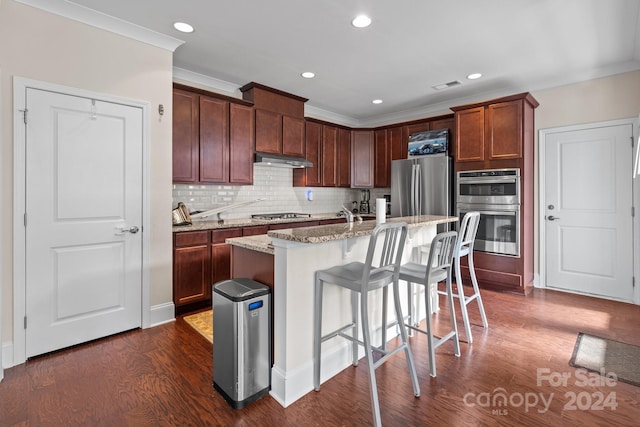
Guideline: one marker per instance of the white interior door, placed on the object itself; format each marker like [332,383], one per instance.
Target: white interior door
[588,211]
[83,206]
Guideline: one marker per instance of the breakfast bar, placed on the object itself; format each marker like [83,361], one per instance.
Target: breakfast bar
[298,254]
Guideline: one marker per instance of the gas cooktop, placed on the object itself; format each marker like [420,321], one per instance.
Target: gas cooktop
[284,215]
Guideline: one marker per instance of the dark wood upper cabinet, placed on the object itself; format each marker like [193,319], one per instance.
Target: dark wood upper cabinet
[186,136]
[313,143]
[398,142]
[241,144]
[279,120]
[469,144]
[329,156]
[362,155]
[214,140]
[494,131]
[344,157]
[382,162]
[268,132]
[293,143]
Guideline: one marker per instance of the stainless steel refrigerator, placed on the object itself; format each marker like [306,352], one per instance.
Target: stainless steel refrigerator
[422,186]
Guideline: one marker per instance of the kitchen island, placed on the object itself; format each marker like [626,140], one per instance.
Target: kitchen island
[298,254]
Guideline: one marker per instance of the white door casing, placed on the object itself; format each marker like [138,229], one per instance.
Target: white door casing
[96,275]
[586,223]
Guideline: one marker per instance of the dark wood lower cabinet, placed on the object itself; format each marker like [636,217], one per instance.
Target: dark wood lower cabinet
[499,273]
[191,268]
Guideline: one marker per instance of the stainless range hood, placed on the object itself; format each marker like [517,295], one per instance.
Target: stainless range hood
[282,161]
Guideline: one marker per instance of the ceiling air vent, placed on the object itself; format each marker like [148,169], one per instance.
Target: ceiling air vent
[447,85]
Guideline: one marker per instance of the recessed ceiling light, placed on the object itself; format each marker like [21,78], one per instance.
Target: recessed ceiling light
[361,21]
[183,27]
[308,75]
[377,101]
[474,76]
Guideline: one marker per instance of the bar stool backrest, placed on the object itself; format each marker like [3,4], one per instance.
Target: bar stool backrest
[441,254]
[385,259]
[468,231]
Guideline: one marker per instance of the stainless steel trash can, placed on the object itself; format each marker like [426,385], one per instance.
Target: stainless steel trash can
[241,340]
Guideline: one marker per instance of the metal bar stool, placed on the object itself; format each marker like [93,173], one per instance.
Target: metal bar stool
[464,247]
[379,270]
[437,269]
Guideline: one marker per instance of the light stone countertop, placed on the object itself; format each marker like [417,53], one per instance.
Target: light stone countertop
[327,233]
[201,225]
[259,242]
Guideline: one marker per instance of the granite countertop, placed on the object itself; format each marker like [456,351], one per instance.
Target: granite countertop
[259,242]
[326,233]
[200,225]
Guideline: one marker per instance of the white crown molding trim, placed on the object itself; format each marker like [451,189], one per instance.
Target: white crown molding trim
[180,75]
[320,114]
[109,23]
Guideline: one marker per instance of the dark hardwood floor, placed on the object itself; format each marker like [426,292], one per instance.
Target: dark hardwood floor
[163,377]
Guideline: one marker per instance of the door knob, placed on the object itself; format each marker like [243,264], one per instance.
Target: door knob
[552,218]
[121,230]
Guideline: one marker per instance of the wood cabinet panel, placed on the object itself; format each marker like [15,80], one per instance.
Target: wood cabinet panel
[191,275]
[398,142]
[268,132]
[219,236]
[470,135]
[214,140]
[255,230]
[185,136]
[362,154]
[241,144]
[293,136]
[329,156]
[313,141]
[504,130]
[191,238]
[220,262]
[382,162]
[344,158]
[447,123]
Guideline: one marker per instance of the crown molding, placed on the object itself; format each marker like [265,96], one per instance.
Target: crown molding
[100,20]
[191,78]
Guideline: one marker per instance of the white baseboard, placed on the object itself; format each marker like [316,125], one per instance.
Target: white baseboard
[7,355]
[161,313]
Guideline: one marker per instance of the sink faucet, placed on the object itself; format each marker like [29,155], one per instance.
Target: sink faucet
[348,214]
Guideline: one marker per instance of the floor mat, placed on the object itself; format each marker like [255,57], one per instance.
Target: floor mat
[607,356]
[202,322]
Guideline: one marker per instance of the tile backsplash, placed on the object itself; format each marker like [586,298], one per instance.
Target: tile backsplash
[275,186]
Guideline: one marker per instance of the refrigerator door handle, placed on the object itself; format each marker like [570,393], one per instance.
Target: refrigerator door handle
[418,209]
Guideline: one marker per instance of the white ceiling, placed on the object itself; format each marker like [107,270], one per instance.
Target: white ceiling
[412,45]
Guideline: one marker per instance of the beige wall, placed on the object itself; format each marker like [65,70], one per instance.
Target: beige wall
[609,98]
[41,46]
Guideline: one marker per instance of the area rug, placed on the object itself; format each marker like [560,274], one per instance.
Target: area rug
[607,357]
[202,322]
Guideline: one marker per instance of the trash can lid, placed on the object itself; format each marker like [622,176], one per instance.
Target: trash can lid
[240,289]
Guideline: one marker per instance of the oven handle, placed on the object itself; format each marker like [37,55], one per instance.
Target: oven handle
[505,180]
[511,210]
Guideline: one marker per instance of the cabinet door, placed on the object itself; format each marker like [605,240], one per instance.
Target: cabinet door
[329,156]
[214,140]
[241,142]
[268,132]
[398,142]
[362,159]
[191,275]
[220,262]
[344,158]
[185,136]
[292,136]
[470,135]
[313,140]
[504,130]
[382,165]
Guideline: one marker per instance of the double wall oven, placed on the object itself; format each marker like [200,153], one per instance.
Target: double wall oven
[495,193]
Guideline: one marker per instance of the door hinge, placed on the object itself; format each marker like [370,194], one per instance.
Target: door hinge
[24,115]
[633,211]
[633,281]
[25,322]
[25,219]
